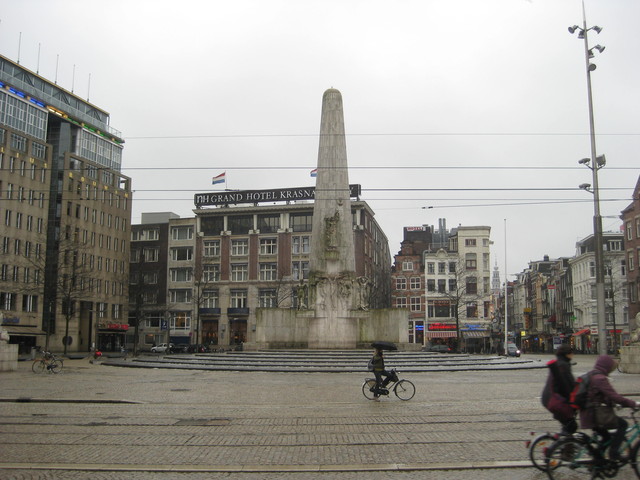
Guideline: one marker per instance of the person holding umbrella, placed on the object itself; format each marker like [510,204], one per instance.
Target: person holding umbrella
[379,370]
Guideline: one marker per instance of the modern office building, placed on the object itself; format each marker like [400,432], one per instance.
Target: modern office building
[230,260]
[66,211]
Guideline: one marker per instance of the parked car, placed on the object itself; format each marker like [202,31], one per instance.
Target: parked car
[181,348]
[513,350]
[162,348]
[438,348]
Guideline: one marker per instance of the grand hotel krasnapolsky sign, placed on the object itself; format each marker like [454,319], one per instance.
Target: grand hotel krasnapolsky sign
[234,197]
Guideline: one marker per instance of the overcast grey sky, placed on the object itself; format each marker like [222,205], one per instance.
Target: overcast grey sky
[438,94]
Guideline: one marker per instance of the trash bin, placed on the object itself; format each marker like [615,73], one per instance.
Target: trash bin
[33,353]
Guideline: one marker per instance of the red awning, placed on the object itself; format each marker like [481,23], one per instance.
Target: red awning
[441,334]
[582,332]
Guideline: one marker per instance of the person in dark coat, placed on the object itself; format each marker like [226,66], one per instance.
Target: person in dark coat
[379,371]
[561,381]
[601,392]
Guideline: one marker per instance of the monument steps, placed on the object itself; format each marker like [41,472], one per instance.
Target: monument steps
[326,361]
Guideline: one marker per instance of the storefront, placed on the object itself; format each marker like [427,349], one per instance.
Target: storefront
[112,336]
[25,336]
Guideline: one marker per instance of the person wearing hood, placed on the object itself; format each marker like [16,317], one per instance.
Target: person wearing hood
[601,392]
[555,395]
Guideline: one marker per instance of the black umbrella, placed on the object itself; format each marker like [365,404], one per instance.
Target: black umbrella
[382,345]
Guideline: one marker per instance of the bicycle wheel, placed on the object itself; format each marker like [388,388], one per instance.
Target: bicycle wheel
[404,390]
[569,459]
[38,366]
[538,450]
[56,365]
[633,459]
[368,384]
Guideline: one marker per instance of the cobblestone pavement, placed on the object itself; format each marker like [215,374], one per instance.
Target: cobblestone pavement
[94,421]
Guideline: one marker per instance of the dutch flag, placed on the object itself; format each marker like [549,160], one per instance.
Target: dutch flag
[314,172]
[218,179]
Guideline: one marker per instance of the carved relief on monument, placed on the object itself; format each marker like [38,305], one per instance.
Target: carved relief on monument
[331,231]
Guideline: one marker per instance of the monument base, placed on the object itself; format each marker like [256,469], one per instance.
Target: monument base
[286,328]
[630,359]
[8,357]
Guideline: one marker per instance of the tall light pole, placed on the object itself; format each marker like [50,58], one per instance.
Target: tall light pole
[594,164]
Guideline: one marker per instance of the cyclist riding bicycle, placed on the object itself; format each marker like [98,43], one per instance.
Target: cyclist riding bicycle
[379,371]
[601,392]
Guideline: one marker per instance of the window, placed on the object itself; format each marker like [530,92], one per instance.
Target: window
[442,267]
[240,224]
[469,242]
[238,299]
[431,285]
[151,254]
[442,285]
[431,268]
[180,296]
[268,271]
[300,244]
[212,248]
[267,298]
[239,272]
[150,278]
[211,273]
[471,261]
[629,231]
[268,223]
[29,303]
[300,270]
[181,254]
[415,304]
[472,310]
[401,302]
[407,266]
[268,246]
[415,283]
[180,321]
[180,274]
[7,300]
[592,269]
[300,222]
[472,285]
[182,233]
[116,311]
[401,283]
[453,284]
[210,299]
[239,247]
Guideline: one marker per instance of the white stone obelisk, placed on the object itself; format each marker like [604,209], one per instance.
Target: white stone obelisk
[332,262]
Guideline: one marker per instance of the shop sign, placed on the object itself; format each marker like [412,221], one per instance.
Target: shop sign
[441,326]
[117,326]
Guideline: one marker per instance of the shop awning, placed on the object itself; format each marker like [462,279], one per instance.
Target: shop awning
[582,332]
[25,330]
[475,334]
[441,334]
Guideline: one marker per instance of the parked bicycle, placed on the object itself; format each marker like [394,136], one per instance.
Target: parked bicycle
[582,456]
[404,389]
[47,363]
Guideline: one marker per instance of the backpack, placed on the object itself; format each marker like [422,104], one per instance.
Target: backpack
[370,365]
[579,397]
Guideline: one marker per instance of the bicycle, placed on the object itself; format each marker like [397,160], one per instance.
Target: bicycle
[403,389]
[49,363]
[581,455]
[538,448]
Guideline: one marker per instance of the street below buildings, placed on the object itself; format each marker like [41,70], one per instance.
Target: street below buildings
[104,422]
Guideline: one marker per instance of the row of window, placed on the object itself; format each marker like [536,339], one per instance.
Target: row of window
[9,302]
[89,238]
[11,192]
[22,167]
[267,271]
[21,115]
[85,213]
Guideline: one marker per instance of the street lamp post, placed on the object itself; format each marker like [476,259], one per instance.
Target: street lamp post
[594,163]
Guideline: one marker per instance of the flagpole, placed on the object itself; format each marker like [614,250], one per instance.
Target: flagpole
[506,290]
